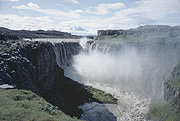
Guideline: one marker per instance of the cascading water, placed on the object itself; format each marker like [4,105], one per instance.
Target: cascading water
[64,52]
[125,71]
[136,67]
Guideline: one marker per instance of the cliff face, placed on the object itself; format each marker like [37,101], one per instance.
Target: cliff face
[33,66]
[172,86]
[170,109]
[15,68]
[173,31]
[172,93]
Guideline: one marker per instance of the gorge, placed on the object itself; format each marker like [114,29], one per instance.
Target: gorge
[132,65]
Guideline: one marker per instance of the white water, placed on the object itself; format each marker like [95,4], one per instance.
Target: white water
[129,107]
[105,71]
[140,68]
[126,73]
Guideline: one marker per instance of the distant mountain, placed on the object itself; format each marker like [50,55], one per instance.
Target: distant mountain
[19,34]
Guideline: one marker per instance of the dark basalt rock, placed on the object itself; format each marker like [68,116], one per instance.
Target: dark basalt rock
[32,66]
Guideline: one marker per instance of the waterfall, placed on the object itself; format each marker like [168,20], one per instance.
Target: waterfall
[64,52]
[127,71]
[137,67]
[133,72]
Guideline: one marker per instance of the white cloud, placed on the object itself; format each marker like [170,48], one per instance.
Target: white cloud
[151,12]
[163,12]
[59,13]
[78,11]
[30,23]
[103,9]
[85,21]
[33,6]
[10,0]
[29,6]
[52,12]
[20,7]
[74,1]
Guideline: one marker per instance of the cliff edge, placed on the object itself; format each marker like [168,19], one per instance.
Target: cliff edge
[140,34]
[32,65]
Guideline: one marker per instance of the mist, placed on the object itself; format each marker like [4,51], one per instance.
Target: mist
[142,69]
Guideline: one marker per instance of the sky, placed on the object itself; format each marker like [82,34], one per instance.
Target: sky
[86,17]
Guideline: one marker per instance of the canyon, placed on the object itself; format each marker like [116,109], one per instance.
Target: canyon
[135,66]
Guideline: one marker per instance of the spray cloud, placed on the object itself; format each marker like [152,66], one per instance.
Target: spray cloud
[142,69]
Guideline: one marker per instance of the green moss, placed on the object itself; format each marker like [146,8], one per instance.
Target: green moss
[173,117]
[155,109]
[102,96]
[164,111]
[27,106]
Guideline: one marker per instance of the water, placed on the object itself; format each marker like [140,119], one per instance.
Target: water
[64,52]
[134,73]
[99,69]
[140,68]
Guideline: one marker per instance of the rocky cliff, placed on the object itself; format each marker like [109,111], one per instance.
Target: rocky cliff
[172,86]
[33,66]
[7,34]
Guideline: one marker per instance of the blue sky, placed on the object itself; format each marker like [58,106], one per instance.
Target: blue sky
[86,17]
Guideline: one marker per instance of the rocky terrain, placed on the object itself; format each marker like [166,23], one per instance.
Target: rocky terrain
[6,34]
